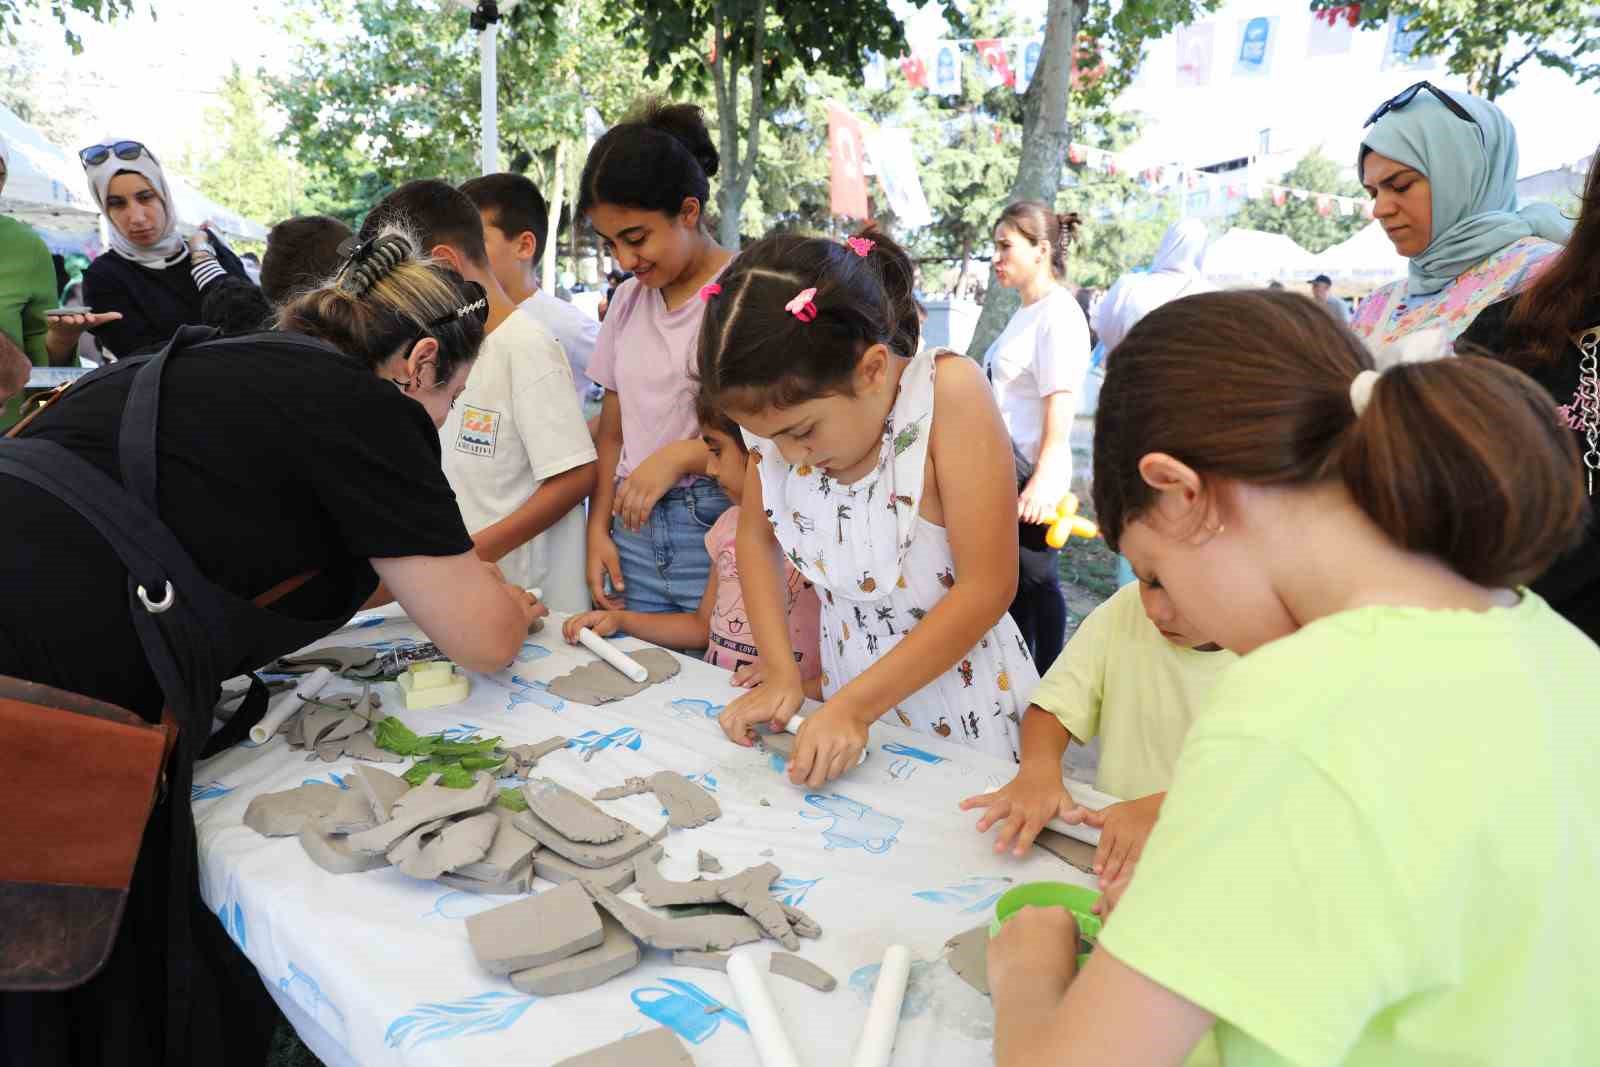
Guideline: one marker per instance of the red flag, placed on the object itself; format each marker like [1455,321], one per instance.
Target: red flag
[847,181]
[993,52]
[1075,153]
[915,70]
[1324,205]
[1280,197]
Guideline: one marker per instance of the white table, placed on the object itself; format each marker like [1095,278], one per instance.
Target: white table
[375,968]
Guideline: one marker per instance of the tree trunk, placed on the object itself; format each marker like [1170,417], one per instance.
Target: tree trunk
[552,236]
[1044,149]
[737,167]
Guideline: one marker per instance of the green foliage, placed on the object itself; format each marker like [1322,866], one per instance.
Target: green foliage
[12,14]
[247,171]
[1122,220]
[1491,43]
[1300,219]
[512,799]
[37,96]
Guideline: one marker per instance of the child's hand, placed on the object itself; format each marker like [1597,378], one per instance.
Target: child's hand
[1037,946]
[603,623]
[749,675]
[637,495]
[771,702]
[828,744]
[604,562]
[1026,803]
[1123,830]
[1111,894]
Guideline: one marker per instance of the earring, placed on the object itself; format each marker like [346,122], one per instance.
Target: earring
[1217,529]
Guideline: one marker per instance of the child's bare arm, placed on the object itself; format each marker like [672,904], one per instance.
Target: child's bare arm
[1037,794]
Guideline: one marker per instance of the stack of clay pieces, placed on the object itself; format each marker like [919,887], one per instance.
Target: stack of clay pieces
[338,727]
[579,841]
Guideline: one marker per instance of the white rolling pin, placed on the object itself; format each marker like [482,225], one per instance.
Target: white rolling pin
[623,662]
[1088,797]
[755,1001]
[793,727]
[883,1014]
[288,703]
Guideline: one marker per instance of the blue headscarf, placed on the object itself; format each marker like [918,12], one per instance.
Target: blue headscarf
[1472,170]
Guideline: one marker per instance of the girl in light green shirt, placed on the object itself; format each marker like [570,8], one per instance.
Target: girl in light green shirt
[1381,845]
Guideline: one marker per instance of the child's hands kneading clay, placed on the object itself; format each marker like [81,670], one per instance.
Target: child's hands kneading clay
[1034,797]
[1124,828]
[829,743]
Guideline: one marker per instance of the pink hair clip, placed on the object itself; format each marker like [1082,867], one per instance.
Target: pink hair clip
[801,306]
[709,291]
[860,245]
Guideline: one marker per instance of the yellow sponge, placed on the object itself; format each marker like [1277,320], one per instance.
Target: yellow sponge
[432,685]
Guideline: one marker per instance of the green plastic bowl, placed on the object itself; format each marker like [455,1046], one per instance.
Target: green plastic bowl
[1074,898]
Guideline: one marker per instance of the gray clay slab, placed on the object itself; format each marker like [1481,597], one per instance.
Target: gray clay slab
[539,930]
[617,953]
[702,934]
[511,851]
[1079,854]
[424,804]
[572,816]
[285,814]
[556,868]
[653,1048]
[802,971]
[600,683]
[364,746]
[706,961]
[749,891]
[687,804]
[334,856]
[968,956]
[351,815]
[801,923]
[458,844]
[514,886]
[583,853]
[380,788]
[658,892]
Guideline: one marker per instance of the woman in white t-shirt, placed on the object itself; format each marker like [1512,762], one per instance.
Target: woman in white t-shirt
[1037,367]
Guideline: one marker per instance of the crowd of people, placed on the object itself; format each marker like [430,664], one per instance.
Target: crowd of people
[1344,703]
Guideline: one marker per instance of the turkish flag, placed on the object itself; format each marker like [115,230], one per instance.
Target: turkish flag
[915,70]
[993,52]
[847,180]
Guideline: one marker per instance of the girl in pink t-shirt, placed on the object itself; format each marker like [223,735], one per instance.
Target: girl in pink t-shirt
[644,190]
[720,621]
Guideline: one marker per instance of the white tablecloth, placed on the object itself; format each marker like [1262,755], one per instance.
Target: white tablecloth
[375,968]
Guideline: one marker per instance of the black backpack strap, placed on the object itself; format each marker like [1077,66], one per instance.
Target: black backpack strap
[136,443]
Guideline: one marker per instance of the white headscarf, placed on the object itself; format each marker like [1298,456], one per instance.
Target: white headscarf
[169,247]
[1175,272]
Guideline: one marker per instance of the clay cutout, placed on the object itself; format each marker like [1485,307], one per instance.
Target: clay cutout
[659,892]
[334,856]
[381,789]
[409,847]
[285,814]
[527,757]
[653,1048]
[1079,854]
[569,814]
[968,956]
[425,803]
[600,683]
[802,971]
[352,814]
[338,659]
[687,804]
[533,932]
[707,863]
[630,787]
[617,953]
[457,845]
[702,934]
[706,961]
[553,868]
[584,854]
[514,886]
[750,892]
[510,853]
[363,746]
[803,924]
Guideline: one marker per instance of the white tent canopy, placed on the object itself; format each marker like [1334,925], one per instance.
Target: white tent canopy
[1368,256]
[1252,257]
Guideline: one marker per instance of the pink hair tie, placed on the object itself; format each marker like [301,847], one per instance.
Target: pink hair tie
[801,306]
[709,291]
[860,245]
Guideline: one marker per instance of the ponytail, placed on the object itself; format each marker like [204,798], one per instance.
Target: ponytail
[1036,221]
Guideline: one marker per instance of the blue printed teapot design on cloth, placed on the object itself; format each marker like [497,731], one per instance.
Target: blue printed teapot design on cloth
[854,825]
[682,1009]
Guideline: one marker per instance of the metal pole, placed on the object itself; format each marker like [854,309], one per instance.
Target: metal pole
[487,56]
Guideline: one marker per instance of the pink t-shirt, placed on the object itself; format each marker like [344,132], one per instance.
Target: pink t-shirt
[646,355]
[731,637]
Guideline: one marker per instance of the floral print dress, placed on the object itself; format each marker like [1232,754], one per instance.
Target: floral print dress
[880,568]
[1388,314]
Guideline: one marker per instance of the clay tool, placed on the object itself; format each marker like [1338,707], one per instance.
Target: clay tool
[883,1014]
[755,1001]
[797,721]
[630,667]
[1081,832]
[288,703]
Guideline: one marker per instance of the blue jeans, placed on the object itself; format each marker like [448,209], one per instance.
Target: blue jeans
[665,564]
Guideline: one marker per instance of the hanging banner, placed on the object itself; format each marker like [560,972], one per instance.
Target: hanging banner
[1194,54]
[1088,66]
[1028,50]
[894,160]
[1400,53]
[847,179]
[947,69]
[915,71]
[1332,30]
[1256,41]
[875,75]
[996,65]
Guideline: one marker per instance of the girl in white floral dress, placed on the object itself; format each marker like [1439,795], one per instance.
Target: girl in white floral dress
[906,525]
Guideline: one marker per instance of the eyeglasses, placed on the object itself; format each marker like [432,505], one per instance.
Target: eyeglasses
[1409,93]
[97,154]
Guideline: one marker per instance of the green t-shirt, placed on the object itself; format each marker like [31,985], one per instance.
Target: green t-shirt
[27,291]
[1383,846]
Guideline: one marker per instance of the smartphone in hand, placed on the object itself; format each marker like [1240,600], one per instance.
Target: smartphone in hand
[56,313]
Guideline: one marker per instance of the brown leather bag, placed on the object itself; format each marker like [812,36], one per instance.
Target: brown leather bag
[64,883]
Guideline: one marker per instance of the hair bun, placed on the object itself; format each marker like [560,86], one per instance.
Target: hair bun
[686,124]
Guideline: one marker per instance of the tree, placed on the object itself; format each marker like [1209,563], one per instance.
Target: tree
[1491,43]
[1123,221]
[1313,225]
[247,170]
[39,98]
[726,42]
[12,13]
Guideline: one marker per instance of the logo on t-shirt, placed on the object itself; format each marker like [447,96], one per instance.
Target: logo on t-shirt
[479,426]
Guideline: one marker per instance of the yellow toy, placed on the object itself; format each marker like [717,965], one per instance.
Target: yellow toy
[1066,522]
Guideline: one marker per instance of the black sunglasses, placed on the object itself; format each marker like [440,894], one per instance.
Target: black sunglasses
[1409,93]
[97,154]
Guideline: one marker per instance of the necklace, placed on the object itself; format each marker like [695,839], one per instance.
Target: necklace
[1583,414]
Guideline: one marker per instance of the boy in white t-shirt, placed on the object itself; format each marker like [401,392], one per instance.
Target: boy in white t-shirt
[516,223]
[1135,673]
[515,447]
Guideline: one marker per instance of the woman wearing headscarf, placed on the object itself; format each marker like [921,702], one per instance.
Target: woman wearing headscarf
[1441,167]
[1174,273]
[27,291]
[149,277]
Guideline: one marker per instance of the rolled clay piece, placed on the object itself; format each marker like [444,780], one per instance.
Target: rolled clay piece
[423,804]
[555,868]
[701,934]
[687,804]
[511,851]
[707,863]
[653,1048]
[617,953]
[802,971]
[600,683]
[530,933]
[571,815]
[380,788]
[460,843]
[706,961]
[285,814]
[583,853]
[968,955]
[334,856]
[801,923]
[630,787]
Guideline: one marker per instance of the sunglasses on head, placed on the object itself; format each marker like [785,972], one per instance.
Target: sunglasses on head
[97,154]
[1409,93]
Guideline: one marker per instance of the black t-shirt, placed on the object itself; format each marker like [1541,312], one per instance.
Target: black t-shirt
[1572,584]
[274,459]
[154,301]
